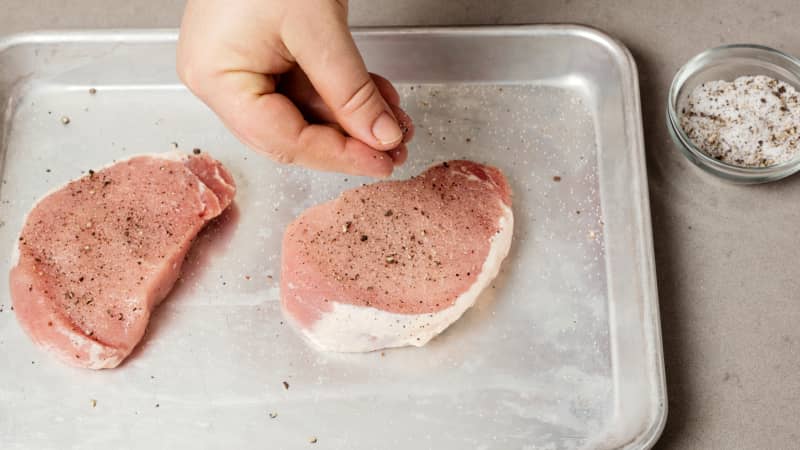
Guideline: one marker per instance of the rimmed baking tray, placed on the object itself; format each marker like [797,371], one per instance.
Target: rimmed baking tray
[562,352]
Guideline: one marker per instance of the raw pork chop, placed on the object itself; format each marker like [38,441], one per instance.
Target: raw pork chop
[395,263]
[97,255]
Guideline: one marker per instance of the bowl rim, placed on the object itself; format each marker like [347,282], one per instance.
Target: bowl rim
[672,115]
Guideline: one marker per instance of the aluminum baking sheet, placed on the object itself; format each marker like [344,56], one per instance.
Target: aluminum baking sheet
[562,352]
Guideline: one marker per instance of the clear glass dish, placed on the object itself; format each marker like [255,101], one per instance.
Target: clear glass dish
[728,63]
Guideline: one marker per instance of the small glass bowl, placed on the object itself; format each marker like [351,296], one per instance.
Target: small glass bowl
[728,63]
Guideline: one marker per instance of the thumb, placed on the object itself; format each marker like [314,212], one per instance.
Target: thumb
[330,59]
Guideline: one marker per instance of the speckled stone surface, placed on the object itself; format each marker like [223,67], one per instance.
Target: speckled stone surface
[725,254]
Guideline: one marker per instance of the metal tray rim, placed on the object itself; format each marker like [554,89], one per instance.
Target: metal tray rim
[653,432]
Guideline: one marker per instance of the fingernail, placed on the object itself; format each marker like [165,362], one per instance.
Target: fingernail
[386,130]
[405,123]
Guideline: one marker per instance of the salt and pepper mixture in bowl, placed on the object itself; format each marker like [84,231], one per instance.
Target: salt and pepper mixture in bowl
[749,122]
[734,112]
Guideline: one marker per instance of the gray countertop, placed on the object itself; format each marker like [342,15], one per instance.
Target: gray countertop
[727,284]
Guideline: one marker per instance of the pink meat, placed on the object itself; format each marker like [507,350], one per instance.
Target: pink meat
[97,255]
[409,248]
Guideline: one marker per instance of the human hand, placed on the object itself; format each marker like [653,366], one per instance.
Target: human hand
[288,81]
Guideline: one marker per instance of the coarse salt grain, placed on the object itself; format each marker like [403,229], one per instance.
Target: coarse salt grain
[750,122]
